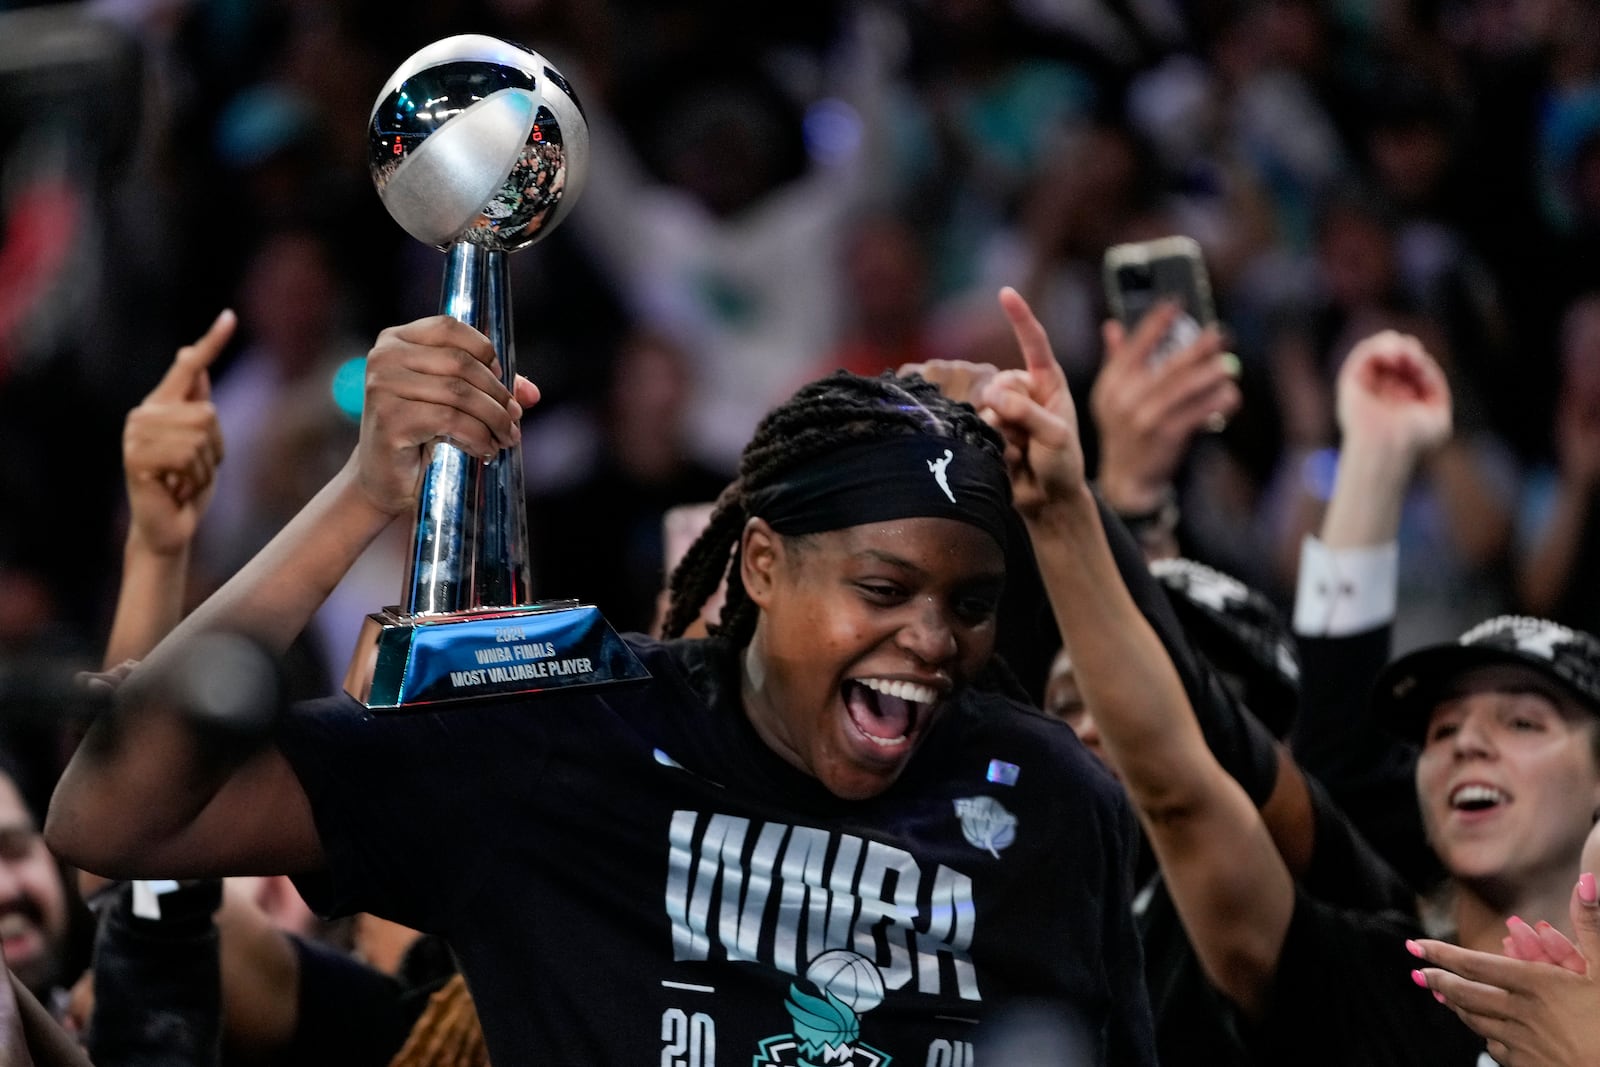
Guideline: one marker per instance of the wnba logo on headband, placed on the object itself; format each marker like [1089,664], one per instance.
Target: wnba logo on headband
[937,466]
[885,479]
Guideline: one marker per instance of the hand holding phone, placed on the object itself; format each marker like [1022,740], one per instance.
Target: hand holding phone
[1140,275]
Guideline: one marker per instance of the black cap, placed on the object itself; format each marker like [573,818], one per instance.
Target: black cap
[1408,689]
[1239,631]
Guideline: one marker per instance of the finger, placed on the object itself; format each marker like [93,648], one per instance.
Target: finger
[1584,909]
[404,409]
[1020,413]
[1112,335]
[1464,994]
[1218,403]
[199,471]
[458,368]
[215,445]
[154,460]
[1558,950]
[1037,355]
[1472,964]
[171,435]
[444,378]
[442,331]
[1200,352]
[1178,385]
[527,394]
[1525,943]
[450,399]
[186,378]
[1148,332]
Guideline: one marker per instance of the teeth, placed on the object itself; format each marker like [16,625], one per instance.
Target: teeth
[911,691]
[881,742]
[14,924]
[1476,794]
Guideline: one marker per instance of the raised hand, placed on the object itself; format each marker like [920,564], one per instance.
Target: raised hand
[1147,413]
[1539,1013]
[1033,410]
[1393,393]
[172,445]
[435,379]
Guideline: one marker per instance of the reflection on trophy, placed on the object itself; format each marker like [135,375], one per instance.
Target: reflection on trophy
[479,147]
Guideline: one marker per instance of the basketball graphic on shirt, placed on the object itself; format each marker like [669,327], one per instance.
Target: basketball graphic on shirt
[849,976]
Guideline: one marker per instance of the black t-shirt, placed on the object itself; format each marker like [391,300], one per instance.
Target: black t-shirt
[1195,1024]
[629,875]
[1343,997]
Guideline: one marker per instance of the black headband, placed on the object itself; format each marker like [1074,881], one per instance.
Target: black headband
[900,477]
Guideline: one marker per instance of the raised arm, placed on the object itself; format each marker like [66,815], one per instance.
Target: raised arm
[1394,407]
[1236,902]
[154,791]
[171,446]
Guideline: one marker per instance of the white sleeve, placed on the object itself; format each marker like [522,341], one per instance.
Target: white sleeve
[1344,591]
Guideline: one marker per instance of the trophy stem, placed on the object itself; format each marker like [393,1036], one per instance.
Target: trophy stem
[502,574]
[469,546]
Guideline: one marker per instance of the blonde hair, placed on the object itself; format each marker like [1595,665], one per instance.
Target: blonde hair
[447,1034]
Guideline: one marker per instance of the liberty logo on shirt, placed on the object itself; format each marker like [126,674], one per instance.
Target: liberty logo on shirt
[986,823]
[826,1029]
[937,466]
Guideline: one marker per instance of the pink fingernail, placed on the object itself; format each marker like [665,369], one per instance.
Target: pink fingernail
[1439,997]
[1515,919]
[1414,948]
[1420,978]
[1586,889]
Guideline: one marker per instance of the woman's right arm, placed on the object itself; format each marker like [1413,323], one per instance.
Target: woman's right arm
[153,790]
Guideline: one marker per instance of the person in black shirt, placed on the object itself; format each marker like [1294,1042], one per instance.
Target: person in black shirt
[824,831]
[1508,781]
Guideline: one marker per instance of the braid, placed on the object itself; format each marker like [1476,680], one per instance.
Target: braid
[447,1034]
[821,417]
[700,571]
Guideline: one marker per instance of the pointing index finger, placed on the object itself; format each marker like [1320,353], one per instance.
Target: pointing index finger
[1037,356]
[185,379]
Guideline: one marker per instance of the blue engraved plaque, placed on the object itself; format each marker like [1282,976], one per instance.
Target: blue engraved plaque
[414,661]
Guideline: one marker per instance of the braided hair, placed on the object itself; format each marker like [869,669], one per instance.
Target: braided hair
[826,415]
[447,1034]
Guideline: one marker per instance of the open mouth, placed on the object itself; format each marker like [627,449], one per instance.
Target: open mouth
[885,711]
[19,936]
[1475,797]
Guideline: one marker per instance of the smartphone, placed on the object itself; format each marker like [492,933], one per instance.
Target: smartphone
[1140,274]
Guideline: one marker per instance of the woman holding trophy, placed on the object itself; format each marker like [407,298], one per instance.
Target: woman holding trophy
[825,834]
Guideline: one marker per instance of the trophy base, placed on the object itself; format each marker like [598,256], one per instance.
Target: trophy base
[412,662]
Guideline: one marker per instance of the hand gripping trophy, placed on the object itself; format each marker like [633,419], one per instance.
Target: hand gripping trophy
[479,147]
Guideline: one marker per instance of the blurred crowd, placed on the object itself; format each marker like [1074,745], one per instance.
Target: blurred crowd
[772,195]
[775,191]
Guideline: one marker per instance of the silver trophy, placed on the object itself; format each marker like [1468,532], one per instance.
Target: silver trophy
[478,147]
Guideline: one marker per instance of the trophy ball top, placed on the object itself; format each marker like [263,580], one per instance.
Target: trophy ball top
[479,140]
